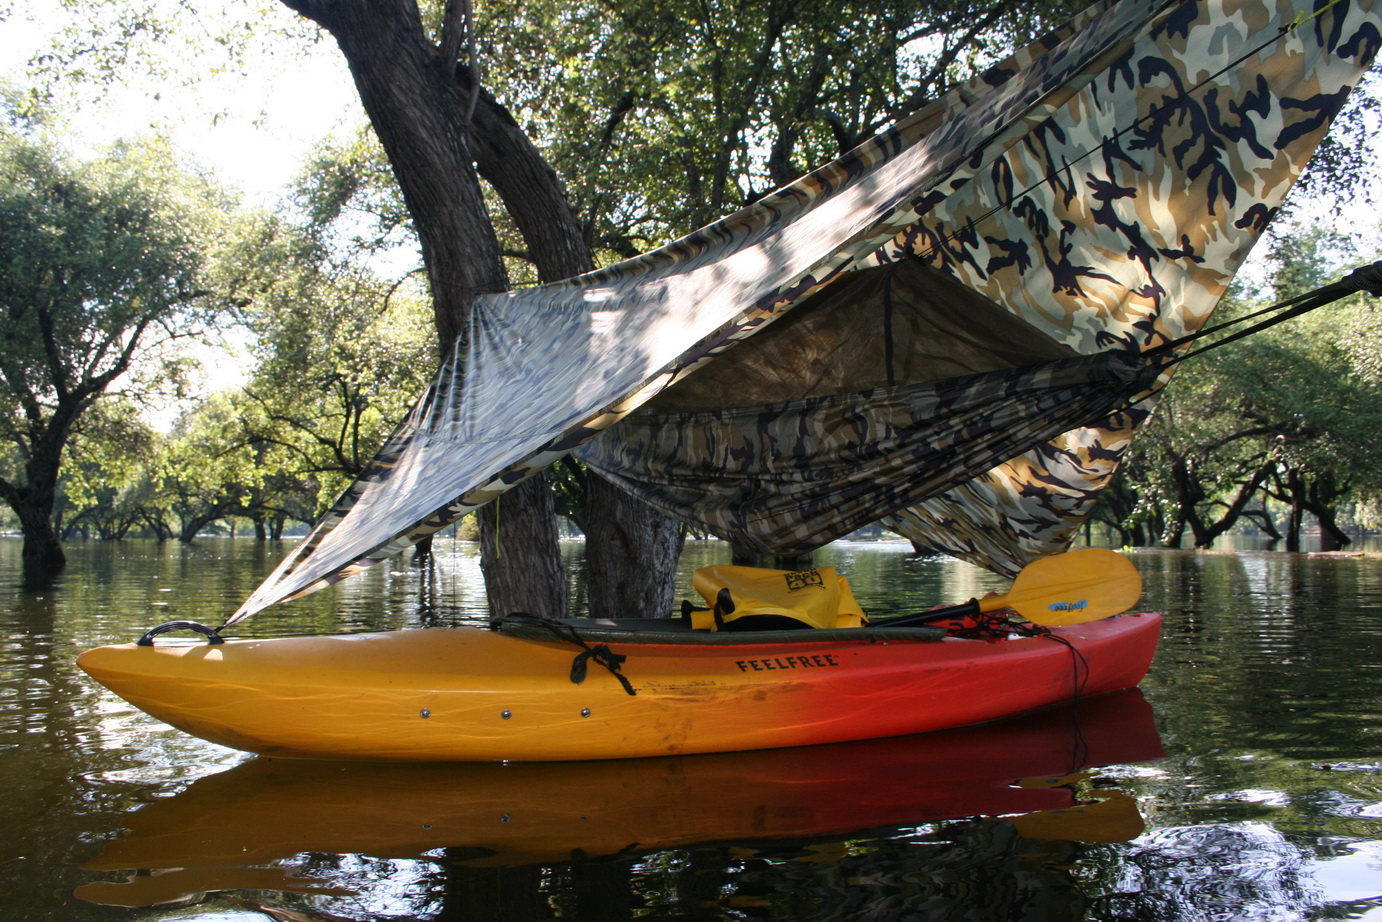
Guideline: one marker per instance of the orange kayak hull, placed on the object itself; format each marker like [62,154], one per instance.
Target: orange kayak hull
[468,694]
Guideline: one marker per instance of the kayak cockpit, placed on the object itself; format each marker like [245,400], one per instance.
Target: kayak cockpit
[679,631]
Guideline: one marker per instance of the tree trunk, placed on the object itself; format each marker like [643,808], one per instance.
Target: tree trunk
[741,556]
[632,557]
[192,526]
[1188,498]
[1115,509]
[795,562]
[42,555]
[1295,493]
[1264,519]
[1234,510]
[531,191]
[1138,535]
[422,552]
[1322,497]
[518,580]
[418,112]
[628,543]
[1332,537]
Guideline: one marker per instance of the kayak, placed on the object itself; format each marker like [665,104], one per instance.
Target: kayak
[580,690]
[264,817]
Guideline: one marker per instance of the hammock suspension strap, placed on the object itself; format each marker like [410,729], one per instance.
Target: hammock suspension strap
[1368,279]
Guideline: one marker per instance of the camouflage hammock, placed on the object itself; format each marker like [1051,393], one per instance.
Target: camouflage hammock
[946,329]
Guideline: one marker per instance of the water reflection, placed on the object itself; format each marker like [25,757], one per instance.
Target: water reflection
[275,824]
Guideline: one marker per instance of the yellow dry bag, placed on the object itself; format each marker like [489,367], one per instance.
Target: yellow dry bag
[757,599]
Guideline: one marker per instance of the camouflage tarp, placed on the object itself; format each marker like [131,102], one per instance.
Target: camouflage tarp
[1093,193]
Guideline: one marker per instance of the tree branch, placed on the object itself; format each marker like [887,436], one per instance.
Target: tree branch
[457,29]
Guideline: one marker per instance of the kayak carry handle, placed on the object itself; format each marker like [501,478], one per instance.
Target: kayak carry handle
[211,636]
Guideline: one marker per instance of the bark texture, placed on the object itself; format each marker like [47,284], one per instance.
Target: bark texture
[516,579]
[632,553]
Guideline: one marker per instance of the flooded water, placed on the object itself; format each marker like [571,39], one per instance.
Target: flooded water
[1242,782]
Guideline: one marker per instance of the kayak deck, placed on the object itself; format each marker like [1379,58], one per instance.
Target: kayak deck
[469,694]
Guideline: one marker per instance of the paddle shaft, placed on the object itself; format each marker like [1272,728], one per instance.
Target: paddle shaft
[967,609]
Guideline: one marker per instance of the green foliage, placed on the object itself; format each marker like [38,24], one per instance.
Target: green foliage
[205,471]
[663,117]
[1310,378]
[340,356]
[95,45]
[101,267]
[105,486]
[659,119]
[1285,421]
[351,205]
[1344,169]
[112,266]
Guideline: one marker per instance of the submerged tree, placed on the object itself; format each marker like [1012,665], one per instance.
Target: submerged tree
[99,270]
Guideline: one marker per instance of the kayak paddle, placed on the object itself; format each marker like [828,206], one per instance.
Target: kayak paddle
[1070,588]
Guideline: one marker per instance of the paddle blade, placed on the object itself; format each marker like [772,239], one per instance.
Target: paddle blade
[1072,588]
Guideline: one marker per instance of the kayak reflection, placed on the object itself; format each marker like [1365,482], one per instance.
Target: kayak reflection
[229,830]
